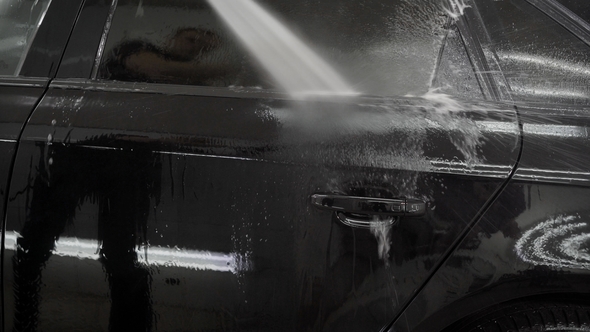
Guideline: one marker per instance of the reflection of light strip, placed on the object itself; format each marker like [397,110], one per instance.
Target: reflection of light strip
[551,175]
[455,167]
[545,171]
[499,171]
[190,259]
[575,68]
[521,173]
[548,92]
[534,129]
[498,127]
[8,140]
[555,130]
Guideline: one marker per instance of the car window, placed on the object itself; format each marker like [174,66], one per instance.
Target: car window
[19,22]
[541,60]
[579,7]
[375,47]
[454,73]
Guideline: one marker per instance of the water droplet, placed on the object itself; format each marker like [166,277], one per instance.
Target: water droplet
[53,122]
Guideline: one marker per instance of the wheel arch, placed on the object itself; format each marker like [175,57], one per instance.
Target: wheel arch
[563,288]
[532,303]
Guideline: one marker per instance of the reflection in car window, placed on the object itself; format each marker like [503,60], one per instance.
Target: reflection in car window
[378,47]
[19,21]
[542,61]
[579,7]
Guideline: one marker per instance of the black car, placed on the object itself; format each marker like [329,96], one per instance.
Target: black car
[312,165]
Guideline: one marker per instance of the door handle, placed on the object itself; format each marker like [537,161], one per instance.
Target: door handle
[362,212]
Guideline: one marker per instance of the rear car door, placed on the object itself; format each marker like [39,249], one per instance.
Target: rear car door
[540,53]
[172,178]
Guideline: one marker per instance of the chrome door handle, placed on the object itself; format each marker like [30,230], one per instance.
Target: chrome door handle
[368,205]
[359,211]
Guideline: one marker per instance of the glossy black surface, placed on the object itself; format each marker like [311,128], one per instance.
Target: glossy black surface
[493,267]
[16,104]
[18,97]
[7,149]
[542,254]
[141,206]
[191,182]
[84,43]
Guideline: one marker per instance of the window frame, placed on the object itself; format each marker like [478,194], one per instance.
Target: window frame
[43,55]
[474,34]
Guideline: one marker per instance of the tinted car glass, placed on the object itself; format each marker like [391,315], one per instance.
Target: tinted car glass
[19,22]
[379,48]
[542,62]
[454,74]
[580,7]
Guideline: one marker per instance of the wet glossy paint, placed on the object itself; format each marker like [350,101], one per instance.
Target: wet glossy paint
[7,149]
[18,96]
[543,254]
[167,186]
[543,258]
[137,206]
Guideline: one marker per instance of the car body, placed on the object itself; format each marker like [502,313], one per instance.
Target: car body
[149,189]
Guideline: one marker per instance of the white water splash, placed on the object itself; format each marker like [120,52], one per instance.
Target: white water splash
[447,112]
[456,8]
[559,242]
[293,64]
[444,103]
[381,231]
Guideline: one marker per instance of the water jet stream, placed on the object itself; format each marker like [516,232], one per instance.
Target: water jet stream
[293,65]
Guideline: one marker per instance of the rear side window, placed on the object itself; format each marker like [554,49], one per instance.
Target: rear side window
[541,60]
[579,7]
[373,47]
[19,22]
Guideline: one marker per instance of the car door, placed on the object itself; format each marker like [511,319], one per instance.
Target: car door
[29,32]
[200,194]
[32,39]
[541,52]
